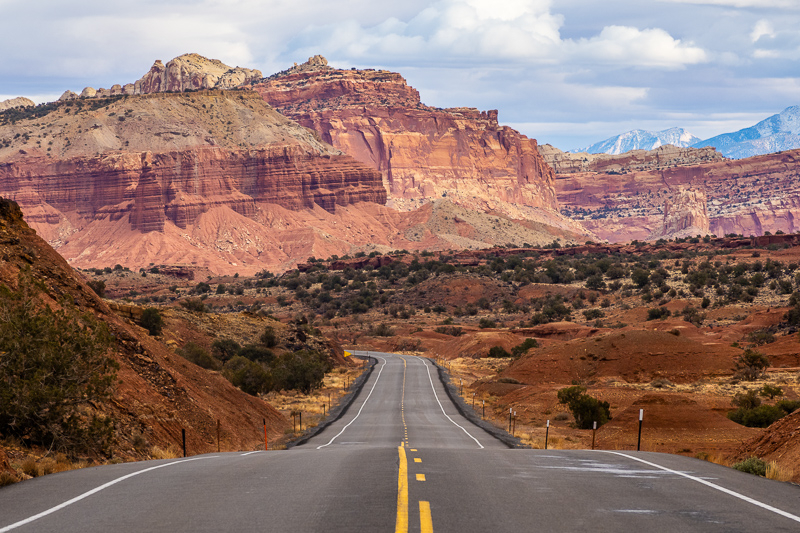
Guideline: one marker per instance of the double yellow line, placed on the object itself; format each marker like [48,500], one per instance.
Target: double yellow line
[401,524]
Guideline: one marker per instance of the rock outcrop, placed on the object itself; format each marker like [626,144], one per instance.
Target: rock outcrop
[636,160]
[685,215]
[423,153]
[193,72]
[20,101]
[746,196]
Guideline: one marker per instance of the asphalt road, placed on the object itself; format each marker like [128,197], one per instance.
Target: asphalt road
[402,459]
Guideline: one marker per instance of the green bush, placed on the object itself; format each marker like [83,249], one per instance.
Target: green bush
[98,286]
[453,331]
[770,391]
[657,313]
[268,338]
[752,465]
[258,353]
[591,314]
[53,366]
[498,351]
[751,365]
[248,375]
[225,349]
[485,323]
[151,321]
[585,409]
[757,417]
[523,347]
[788,406]
[198,355]
[193,304]
[381,330]
[303,370]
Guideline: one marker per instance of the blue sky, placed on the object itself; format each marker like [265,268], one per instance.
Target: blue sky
[566,72]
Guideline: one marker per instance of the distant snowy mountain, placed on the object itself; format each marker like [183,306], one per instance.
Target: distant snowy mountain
[641,140]
[774,134]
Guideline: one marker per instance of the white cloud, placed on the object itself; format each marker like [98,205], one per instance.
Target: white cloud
[764,4]
[763,28]
[651,47]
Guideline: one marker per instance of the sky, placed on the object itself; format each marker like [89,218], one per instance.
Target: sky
[565,72]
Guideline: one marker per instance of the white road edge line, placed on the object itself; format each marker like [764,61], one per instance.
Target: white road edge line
[713,486]
[251,453]
[428,368]
[93,491]
[359,411]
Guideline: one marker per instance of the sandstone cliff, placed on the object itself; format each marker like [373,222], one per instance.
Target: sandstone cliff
[746,196]
[636,160]
[685,215]
[423,153]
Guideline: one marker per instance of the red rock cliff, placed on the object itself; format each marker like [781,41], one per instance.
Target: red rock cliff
[424,153]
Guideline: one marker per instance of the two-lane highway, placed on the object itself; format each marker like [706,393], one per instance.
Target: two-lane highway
[402,459]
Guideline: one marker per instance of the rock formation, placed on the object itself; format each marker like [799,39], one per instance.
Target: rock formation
[193,72]
[685,215]
[20,101]
[746,196]
[423,153]
[636,160]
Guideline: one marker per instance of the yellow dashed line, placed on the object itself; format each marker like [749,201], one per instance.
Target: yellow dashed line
[417,460]
[420,477]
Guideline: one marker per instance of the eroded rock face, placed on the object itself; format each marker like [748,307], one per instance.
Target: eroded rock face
[746,196]
[20,101]
[423,153]
[192,72]
[662,157]
[685,215]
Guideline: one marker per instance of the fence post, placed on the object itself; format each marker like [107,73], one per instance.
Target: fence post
[639,441]
[546,434]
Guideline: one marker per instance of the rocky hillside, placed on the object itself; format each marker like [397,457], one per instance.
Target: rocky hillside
[128,179]
[157,393]
[423,153]
[621,200]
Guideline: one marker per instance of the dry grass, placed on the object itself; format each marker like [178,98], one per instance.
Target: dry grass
[29,467]
[156,452]
[7,478]
[716,458]
[779,473]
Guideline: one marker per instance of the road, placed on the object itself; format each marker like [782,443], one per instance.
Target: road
[402,459]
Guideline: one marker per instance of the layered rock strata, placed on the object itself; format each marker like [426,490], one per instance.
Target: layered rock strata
[746,196]
[423,153]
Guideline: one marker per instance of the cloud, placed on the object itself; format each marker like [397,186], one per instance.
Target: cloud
[762,4]
[646,48]
[514,32]
[763,28]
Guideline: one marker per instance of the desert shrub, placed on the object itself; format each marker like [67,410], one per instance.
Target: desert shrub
[770,391]
[302,370]
[752,465]
[268,338]
[381,330]
[193,304]
[585,409]
[98,286]
[453,331]
[247,375]
[221,288]
[151,321]
[751,365]
[224,349]
[498,351]
[484,323]
[511,381]
[762,336]
[757,417]
[746,400]
[657,313]
[592,314]
[256,352]
[523,347]
[198,355]
[788,406]
[53,366]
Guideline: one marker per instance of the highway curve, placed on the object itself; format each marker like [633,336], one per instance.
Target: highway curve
[401,458]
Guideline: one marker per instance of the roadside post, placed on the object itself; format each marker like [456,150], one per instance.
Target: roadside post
[546,434]
[483,413]
[509,419]
[473,401]
[594,431]
[639,441]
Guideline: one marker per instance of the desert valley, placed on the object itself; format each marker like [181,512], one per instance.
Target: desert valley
[214,243]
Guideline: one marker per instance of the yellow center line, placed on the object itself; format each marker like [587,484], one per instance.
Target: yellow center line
[420,477]
[425,520]
[417,460]
[401,525]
